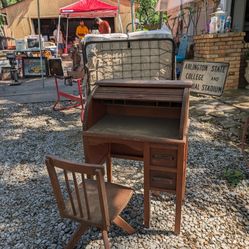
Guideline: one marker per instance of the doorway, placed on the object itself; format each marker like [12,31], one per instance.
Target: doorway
[48,25]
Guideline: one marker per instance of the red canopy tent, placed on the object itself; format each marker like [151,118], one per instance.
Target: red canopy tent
[88,9]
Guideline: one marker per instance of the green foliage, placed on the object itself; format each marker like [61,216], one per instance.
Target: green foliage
[5,3]
[1,21]
[146,12]
[233,176]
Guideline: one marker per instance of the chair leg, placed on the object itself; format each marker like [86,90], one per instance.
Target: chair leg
[105,239]
[178,213]
[146,207]
[120,222]
[76,236]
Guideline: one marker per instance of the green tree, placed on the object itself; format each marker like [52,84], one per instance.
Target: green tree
[5,3]
[146,12]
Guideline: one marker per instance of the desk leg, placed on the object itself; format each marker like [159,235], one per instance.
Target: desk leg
[185,170]
[178,213]
[109,168]
[179,187]
[146,207]
[147,185]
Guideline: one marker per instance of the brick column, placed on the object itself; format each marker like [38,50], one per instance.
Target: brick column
[222,48]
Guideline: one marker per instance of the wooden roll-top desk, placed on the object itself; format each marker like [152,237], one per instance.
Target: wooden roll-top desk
[141,120]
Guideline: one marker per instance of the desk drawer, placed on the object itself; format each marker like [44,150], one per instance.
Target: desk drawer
[162,180]
[129,149]
[164,157]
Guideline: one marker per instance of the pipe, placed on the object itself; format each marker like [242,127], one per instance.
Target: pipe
[132,15]
[206,16]
[58,35]
[40,40]
[119,19]
[67,33]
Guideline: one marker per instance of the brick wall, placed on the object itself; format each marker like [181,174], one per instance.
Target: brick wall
[226,47]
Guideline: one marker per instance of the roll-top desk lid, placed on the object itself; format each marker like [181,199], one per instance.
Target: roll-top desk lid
[142,90]
[146,83]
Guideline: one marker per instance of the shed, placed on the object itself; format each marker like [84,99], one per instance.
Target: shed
[22,16]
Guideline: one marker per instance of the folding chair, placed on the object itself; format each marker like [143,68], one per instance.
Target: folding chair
[56,70]
[91,202]
[181,55]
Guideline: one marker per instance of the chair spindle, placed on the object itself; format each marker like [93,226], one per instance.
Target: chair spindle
[77,194]
[69,192]
[85,195]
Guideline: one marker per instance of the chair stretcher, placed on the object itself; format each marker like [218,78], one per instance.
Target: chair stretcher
[79,99]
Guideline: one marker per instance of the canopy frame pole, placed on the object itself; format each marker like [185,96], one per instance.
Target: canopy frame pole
[40,41]
[132,15]
[58,34]
[120,24]
[119,18]
[67,33]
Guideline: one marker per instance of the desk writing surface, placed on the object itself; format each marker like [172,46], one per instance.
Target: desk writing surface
[137,126]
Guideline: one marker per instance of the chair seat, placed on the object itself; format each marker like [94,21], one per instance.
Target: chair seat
[117,198]
[179,58]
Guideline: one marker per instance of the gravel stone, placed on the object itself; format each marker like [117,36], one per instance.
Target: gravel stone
[214,214]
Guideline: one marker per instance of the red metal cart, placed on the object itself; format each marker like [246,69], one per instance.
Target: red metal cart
[78,100]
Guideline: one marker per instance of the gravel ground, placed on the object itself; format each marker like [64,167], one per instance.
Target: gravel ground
[215,215]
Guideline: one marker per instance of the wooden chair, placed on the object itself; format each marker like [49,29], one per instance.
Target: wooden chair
[91,202]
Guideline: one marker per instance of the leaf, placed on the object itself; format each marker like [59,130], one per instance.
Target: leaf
[233,176]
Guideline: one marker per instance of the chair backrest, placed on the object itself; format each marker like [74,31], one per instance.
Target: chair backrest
[183,46]
[73,184]
[55,67]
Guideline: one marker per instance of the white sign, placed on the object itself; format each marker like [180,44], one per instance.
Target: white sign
[207,77]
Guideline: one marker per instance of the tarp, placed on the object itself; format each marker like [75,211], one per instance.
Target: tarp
[89,9]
